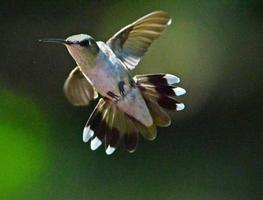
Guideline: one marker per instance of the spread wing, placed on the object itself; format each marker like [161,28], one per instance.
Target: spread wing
[78,89]
[131,42]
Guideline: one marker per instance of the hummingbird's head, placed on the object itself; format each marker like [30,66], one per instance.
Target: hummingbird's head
[83,48]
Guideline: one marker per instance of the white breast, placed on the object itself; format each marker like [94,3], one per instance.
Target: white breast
[105,75]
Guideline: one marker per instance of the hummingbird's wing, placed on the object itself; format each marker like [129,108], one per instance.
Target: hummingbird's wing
[78,89]
[131,42]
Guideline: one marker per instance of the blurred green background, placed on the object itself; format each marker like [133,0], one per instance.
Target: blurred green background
[212,150]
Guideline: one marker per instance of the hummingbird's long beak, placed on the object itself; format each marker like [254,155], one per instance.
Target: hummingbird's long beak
[60,41]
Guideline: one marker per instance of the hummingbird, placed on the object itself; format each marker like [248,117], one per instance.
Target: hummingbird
[128,106]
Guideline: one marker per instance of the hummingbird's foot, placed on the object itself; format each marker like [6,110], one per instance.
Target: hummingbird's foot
[113,96]
[121,88]
[132,83]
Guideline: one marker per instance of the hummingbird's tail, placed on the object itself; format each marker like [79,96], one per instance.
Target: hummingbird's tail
[107,123]
[160,92]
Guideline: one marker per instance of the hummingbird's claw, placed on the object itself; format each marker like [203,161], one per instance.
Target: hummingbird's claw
[121,88]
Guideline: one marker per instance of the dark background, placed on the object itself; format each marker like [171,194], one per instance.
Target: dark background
[212,150]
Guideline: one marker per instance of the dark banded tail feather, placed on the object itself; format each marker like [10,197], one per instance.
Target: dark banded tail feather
[131,141]
[131,136]
[149,133]
[157,79]
[160,117]
[99,127]
[113,135]
[93,119]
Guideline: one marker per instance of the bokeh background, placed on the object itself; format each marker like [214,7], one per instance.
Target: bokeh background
[212,150]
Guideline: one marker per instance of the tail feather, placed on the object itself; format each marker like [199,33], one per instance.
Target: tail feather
[112,138]
[149,133]
[99,127]
[131,141]
[160,117]
[131,136]
[157,79]
[93,120]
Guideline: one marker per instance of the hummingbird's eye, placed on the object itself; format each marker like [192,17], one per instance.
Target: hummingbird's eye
[84,43]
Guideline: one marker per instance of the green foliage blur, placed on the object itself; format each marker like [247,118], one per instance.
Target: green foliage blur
[212,150]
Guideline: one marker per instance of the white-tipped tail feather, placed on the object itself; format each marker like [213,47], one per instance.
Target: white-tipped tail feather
[87,134]
[179,91]
[180,106]
[169,22]
[110,150]
[95,143]
[171,79]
